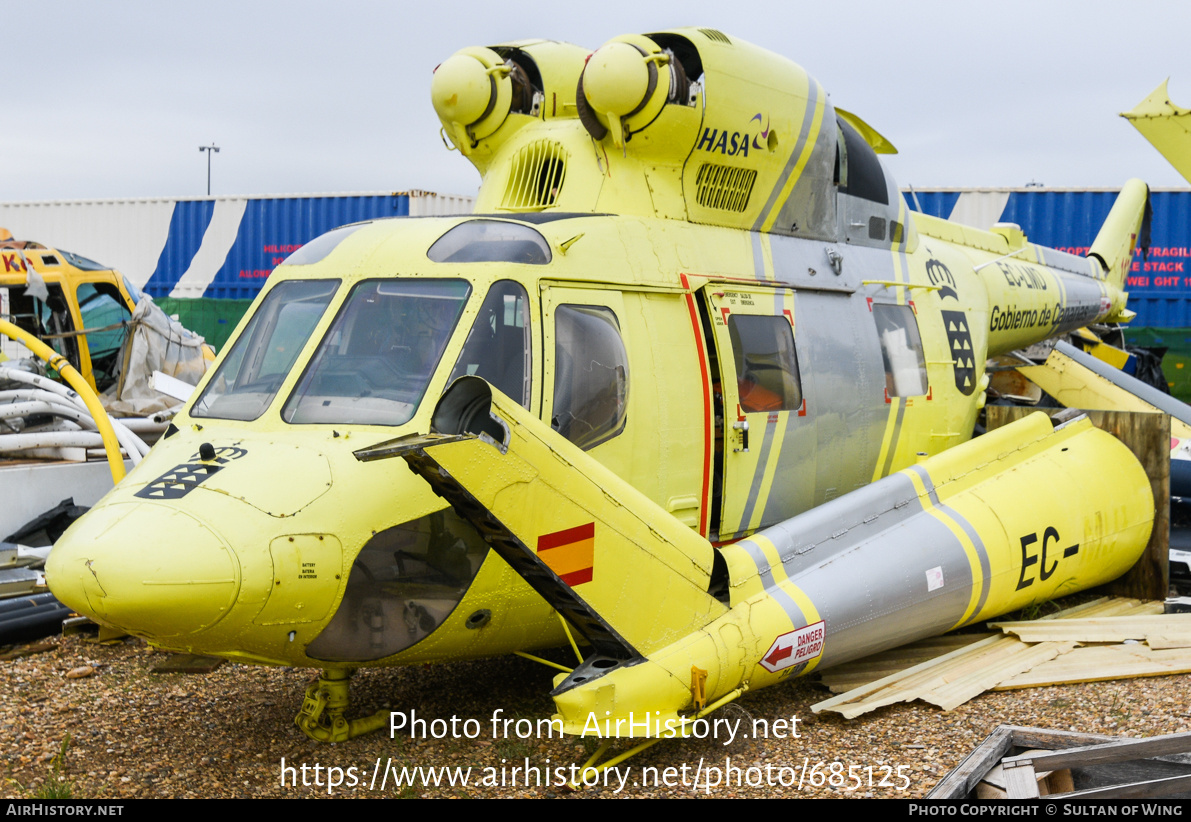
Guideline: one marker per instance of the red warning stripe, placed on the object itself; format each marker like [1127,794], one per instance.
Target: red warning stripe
[570,553]
[560,538]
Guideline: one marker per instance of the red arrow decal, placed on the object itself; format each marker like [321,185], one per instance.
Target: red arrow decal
[779,654]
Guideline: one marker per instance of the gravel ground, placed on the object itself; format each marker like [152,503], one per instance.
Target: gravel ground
[134,733]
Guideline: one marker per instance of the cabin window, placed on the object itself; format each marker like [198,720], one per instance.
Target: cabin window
[591,375]
[901,350]
[374,364]
[262,356]
[859,171]
[766,364]
[403,584]
[491,241]
[498,345]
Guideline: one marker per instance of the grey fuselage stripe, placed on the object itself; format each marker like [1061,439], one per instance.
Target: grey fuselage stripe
[977,542]
[758,257]
[758,476]
[894,497]
[897,427]
[765,572]
[808,118]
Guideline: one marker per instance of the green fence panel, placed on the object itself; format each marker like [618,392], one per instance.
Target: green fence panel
[212,318]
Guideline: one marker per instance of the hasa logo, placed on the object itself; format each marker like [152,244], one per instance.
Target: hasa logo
[732,143]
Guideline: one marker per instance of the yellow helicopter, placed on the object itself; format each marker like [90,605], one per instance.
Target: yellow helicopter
[692,382]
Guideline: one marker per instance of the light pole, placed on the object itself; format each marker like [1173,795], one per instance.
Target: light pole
[209,149]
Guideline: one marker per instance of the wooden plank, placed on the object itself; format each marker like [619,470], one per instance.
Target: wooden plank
[1100,629]
[851,675]
[963,667]
[1121,750]
[933,676]
[954,693]
[830,704]
[1163,642]
[1020,779]
[1052,740]
[959,675]
[1154,788]
[1102,607]
[1147,435]
[963,779]
[1123,606]
[1101,662]
[993,785]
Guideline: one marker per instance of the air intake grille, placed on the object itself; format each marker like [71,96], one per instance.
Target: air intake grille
[538,173]
[724,187]
[718,36]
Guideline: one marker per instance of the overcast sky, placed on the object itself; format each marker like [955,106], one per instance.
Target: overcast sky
[112,99]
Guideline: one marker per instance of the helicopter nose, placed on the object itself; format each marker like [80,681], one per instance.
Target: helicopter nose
[147,569]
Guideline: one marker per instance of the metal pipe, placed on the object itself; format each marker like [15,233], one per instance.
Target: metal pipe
[60,364]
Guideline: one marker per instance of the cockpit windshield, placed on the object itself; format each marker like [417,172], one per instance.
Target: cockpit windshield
[248,379]
[375,363]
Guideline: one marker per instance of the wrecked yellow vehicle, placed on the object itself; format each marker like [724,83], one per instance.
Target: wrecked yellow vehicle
[75,305]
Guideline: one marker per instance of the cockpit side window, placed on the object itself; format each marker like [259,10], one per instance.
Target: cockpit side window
[766,365]
[858,170]
[264,353]
[376,361]
[591,375]
[901,350]
[498,345]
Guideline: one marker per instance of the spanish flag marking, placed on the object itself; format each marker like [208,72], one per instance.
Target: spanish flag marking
[570,553]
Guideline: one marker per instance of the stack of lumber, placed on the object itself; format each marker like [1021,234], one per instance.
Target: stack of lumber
[1109,638]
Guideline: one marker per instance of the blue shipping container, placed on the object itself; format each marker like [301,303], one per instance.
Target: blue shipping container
[251,237]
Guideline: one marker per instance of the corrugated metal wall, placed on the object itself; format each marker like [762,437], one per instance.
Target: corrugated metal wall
[1068,219]
[221,247]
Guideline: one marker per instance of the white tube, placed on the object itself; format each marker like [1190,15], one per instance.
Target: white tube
[145,425]
[58,424]
[50,439]
[33,394]
[21,409]
[133,445]
[38,381]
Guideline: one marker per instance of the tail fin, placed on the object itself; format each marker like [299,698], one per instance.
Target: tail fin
[1128,223]
[1166,126]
